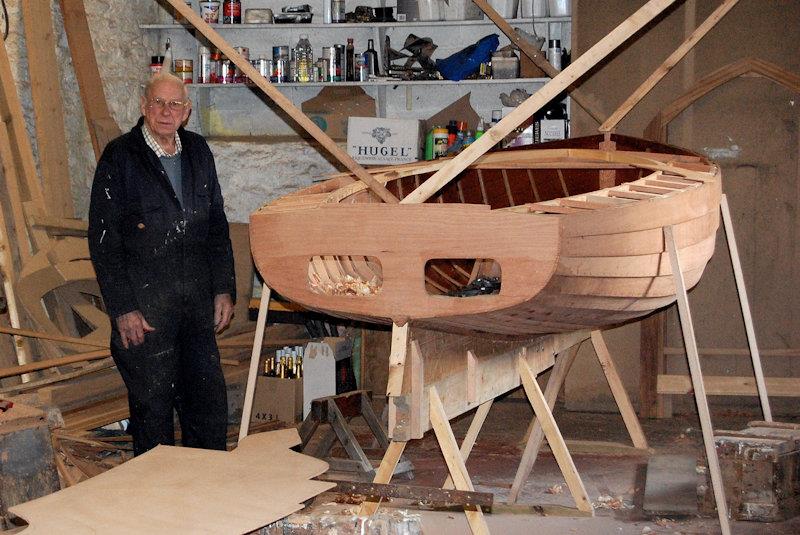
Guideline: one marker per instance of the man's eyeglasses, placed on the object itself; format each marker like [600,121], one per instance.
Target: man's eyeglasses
[173,105]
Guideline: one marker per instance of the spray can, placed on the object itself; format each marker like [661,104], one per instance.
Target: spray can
[439,141]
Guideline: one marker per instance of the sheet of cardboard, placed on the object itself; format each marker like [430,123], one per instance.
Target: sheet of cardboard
[331,108]
[460,110]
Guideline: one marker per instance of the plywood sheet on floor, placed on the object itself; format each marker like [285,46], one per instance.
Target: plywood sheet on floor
[183,490]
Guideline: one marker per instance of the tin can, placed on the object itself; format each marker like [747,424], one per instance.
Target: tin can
[322,73]
[280,71]
[280,52]
[156,62]
[204,66]
[216,66]
[337,63]
[338,11]
[209,11]
[184,70]
[263,66]
[227,71]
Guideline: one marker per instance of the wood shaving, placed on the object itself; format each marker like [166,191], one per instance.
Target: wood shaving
[555,489]
[347,286]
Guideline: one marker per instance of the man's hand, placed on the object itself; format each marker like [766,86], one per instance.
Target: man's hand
[223,311]
[132,328]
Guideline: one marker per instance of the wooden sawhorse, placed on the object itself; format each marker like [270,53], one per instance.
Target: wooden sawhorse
[465,373]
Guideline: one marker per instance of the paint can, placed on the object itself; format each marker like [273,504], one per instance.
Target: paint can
[184,70]
[156,63]
[209,11]
[204,66]
[337,63]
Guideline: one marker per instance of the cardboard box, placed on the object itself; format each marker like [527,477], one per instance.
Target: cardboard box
[277,399]
[375,141]
[333,105]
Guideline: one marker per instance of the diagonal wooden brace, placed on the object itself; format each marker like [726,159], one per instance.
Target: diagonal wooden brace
[554,438]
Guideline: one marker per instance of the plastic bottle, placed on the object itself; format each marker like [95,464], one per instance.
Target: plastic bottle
[429,145]
[350,61]
[304,60]
[479,131]
[452,131]
[168,65]
[439,141]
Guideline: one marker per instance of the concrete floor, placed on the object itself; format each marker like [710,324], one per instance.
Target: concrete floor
[496,454]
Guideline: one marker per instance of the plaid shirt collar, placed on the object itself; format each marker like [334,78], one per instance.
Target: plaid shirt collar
[153,144]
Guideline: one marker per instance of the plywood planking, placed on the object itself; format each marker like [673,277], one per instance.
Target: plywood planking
[186,490]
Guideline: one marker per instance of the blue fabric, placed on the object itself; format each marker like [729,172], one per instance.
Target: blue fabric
[467,62]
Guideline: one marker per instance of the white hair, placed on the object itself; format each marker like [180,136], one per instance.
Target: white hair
[164,76]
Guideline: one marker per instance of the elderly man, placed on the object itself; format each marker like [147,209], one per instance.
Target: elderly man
[158,238]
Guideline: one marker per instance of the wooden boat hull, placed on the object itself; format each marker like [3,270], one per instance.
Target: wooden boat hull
[595,260]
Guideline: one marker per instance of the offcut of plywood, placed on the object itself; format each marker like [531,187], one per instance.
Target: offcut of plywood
[184,490]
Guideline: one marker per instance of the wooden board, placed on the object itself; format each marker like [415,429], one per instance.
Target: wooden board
[102,127]
[43,67]
[186,490]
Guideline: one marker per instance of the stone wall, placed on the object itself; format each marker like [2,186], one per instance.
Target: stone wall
[250,172]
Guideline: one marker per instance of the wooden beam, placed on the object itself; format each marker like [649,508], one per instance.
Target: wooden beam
[534,436]
[84,61]
[651,341]
[618,390]
[727,385]
[687,327]
[383,474]
[427,495]
[744,303]
[472,435]
[554,438]
[454,460]
[44,69]
[536,101]
[281,100]
[734,351]
[44,336]
[667,65]
[587,102]
[51,363]
[255,361]
[397,359]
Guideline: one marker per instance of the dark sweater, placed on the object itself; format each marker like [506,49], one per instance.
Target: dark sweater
[149,250]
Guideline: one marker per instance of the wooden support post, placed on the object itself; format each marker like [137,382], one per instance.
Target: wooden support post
[618,390]
[652,405]
[384,474]
[454,460]
[758,370]
[562,81]
[397,359]
[472,435]
[255,360]
[554,438]
[697,381]
[534,435]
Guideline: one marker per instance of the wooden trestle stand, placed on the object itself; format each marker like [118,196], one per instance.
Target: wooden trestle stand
[435,377]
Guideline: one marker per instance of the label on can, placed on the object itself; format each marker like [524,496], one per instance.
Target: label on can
[209,11]
[227,71]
